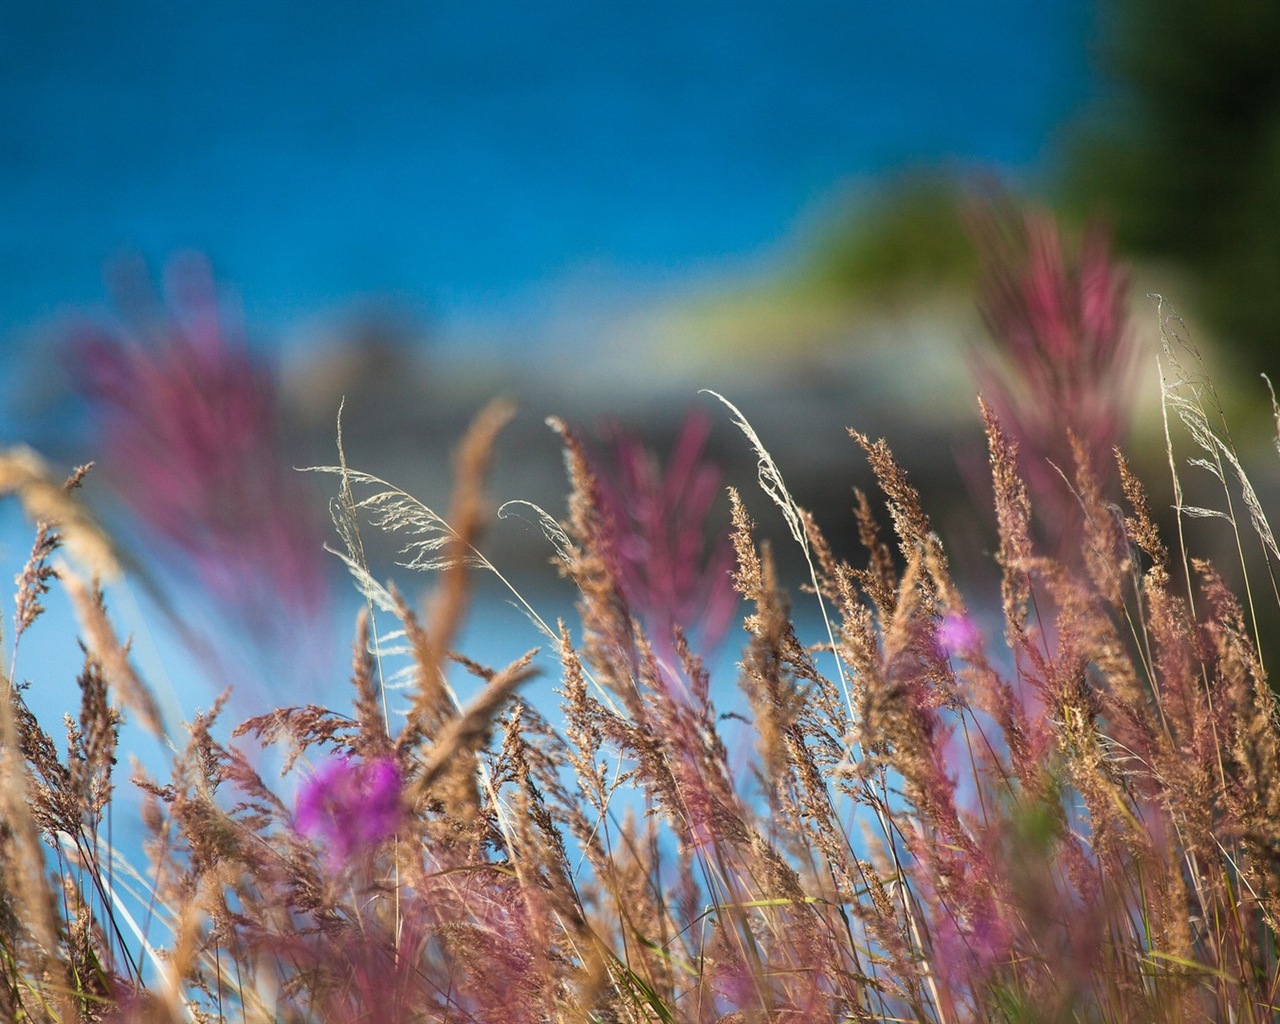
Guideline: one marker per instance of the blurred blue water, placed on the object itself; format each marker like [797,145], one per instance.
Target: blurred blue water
[468,158]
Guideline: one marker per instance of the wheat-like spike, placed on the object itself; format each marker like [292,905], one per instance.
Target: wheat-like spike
[771,482]
[44,498]
[106,648]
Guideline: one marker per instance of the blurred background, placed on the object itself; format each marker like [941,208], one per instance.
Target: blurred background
[597,209]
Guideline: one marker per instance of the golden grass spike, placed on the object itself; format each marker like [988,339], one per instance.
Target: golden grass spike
[100,636]
[467,513]
[43,497]
[769,476]
[1013,514]
[24,882]
[460,736]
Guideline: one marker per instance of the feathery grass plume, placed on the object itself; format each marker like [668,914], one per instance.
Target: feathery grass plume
[44,500]
[671,572]
[430,543]
[1061,357]
[37,575]
[192,441]
[110,654]
[31,971]
[1013,519]
[610,634]
[1189,392]
[769,476]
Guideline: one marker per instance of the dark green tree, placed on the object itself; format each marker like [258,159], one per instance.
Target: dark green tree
[1184,156]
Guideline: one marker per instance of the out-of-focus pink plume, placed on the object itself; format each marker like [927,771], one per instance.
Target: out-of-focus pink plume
[671,570]
[1061,358]
[189,434]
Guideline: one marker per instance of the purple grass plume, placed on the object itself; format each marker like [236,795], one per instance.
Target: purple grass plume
[1061,356]
[671,570]
[350,807]
[189,424]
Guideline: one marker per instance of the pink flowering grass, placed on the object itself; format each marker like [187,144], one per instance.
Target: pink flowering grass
[1071,816]
[672,568]
[1060,362]
[190,437]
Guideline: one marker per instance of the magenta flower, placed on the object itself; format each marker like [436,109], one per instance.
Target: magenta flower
[349,807]
[1062,355]
[958,636]
[671,570]
[192,441]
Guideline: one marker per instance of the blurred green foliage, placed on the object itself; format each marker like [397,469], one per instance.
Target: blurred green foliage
[1183,156]
[904,239]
